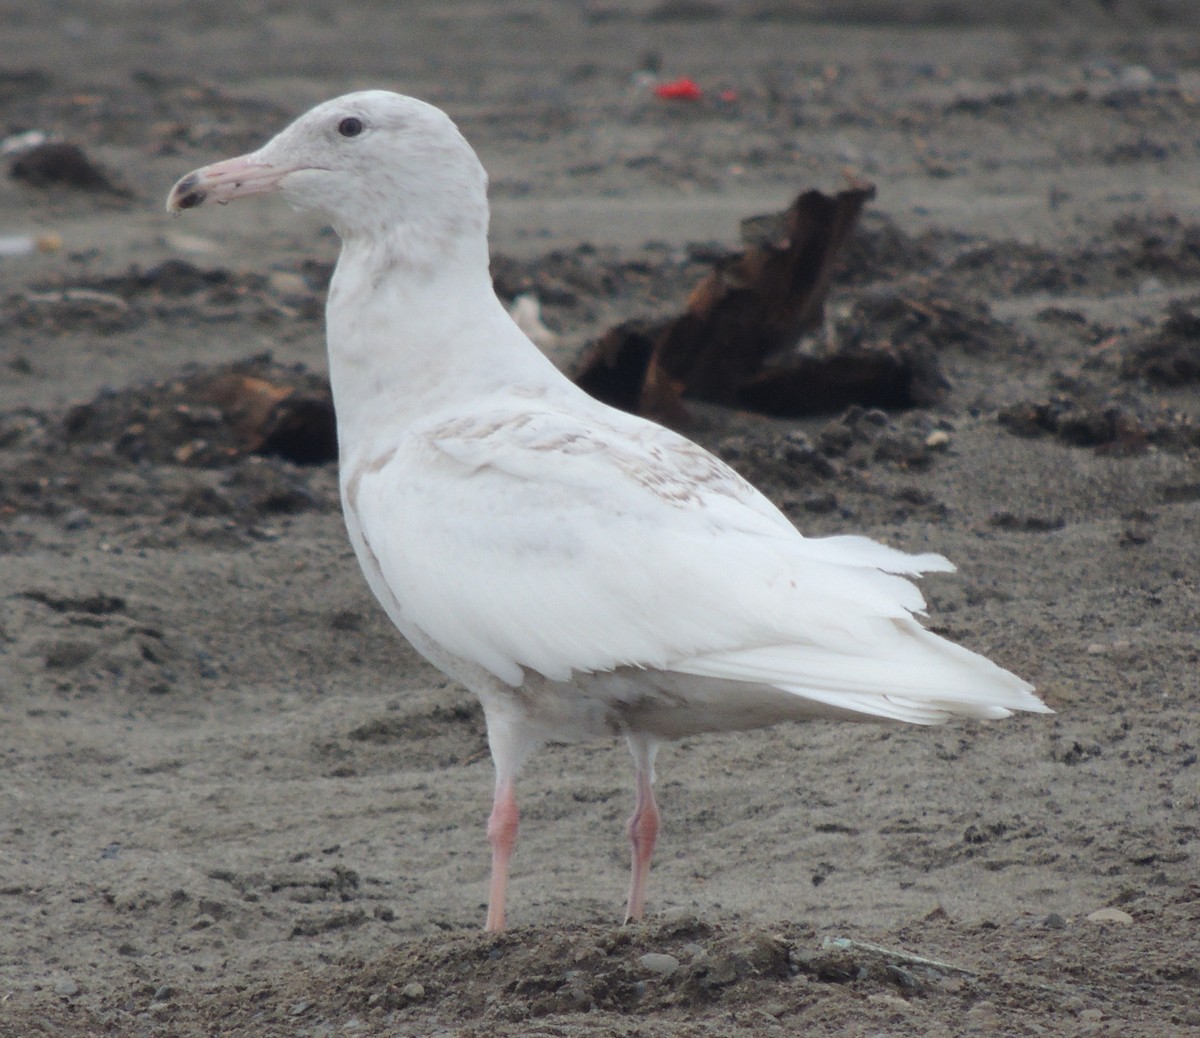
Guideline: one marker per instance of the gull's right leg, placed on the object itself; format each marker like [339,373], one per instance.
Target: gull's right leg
[502,835]
[643,825]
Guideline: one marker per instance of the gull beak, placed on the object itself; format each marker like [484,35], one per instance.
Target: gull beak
[223,181]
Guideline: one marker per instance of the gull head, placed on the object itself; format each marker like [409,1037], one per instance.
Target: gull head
[371,163]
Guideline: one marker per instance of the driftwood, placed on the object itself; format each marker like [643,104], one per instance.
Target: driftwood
[211,416]
[734,344]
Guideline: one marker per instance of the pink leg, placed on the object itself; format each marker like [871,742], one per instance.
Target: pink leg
[502,835]
[643,832]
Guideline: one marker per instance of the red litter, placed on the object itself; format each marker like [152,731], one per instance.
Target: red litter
[683,89]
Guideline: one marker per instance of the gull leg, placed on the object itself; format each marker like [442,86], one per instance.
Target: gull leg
[502,835]
[642,826]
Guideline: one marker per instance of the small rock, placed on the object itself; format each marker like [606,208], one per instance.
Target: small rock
[657,962]
[906,980]
[1136,77]
[77,519]
[822,504]
[1054,921]
[287,283]
[1110,915]
[59,163]
[983,1016]
[66,653]
[414,991]
[346,620]
[586,952]
[163,993]
[937,439]
[203,922]
[1091,1016]
[66,987]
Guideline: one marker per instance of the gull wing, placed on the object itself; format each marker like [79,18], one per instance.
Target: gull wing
[558,542]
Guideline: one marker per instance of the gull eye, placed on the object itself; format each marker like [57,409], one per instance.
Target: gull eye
[350,127]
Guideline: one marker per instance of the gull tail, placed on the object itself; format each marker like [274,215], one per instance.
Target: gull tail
[905,673]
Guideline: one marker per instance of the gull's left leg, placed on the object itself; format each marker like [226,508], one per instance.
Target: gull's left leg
[643,823]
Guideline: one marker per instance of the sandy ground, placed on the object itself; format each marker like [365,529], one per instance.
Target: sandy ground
[235,803]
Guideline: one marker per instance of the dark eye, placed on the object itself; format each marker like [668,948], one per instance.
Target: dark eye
[350,127]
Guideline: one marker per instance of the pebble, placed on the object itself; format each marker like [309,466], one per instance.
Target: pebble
[77,519]
[66,987]
[657,962]
[937,439]
[66,653]
[1110,915]
[983,1015]
[414,991]
[1136,77]
[191,243]
[1103,649]
[288,284]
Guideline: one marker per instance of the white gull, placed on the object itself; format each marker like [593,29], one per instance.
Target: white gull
[584,572]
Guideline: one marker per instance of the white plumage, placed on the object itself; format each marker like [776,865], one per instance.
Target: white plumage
[584,572]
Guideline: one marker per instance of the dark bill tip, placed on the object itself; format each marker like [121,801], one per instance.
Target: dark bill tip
[190,200]
[187,194]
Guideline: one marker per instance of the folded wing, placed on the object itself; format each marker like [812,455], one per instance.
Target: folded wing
[607,542]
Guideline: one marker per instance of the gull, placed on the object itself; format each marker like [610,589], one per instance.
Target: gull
[583,571]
